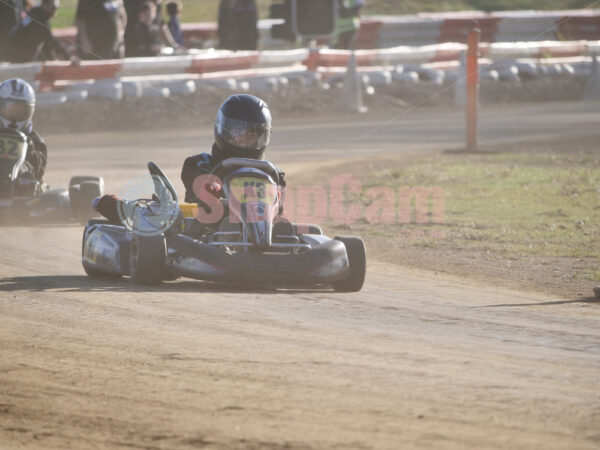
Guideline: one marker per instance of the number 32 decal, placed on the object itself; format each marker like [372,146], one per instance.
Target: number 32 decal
[9,149]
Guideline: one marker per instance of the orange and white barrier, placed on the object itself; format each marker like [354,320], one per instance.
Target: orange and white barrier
[49,73]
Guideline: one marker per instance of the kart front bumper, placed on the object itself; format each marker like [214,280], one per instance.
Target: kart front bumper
[325,263]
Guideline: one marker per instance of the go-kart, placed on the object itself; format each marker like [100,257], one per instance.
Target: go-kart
[250,244]
[24,198]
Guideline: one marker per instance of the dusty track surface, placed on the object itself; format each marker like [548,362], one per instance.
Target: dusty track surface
[413,360]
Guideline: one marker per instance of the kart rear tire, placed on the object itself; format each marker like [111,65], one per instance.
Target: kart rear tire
[147,259]
[81,197]
[357,258]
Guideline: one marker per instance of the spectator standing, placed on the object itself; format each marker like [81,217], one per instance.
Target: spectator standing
[348,23]
[32,39]
[133,6]
[174,11]
[11,13]
[245,23]
[143,39]
[226,25]
[101,28]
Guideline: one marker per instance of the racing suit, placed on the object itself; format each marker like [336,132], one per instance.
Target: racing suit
[193,167]
[202,164]
[37,156]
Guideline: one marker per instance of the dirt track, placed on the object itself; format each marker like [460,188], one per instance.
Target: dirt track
[414,360]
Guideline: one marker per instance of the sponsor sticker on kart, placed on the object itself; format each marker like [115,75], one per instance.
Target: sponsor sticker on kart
[11,148]
[92,245]
[247,190]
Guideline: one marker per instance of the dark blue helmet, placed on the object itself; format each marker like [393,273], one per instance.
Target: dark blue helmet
[242,127]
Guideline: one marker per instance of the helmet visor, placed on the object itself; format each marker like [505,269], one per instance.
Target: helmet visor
[241,134]
[16,111]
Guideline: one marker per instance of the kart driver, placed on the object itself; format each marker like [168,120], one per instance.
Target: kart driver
[17,103]
[242,130]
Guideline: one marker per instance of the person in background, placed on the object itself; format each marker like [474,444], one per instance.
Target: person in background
[348,24]
[174,11]
[32,39]
[17,104]
[245,25]
[144,40]
[101,29]
[226,27]
[132,8]
[11,13]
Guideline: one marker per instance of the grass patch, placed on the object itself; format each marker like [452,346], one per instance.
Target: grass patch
[515,204]
[206,10]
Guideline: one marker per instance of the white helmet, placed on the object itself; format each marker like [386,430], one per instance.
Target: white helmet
[17,103]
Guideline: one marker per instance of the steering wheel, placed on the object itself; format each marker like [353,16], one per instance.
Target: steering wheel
[231,164]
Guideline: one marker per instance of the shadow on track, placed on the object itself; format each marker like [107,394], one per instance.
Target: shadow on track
[82,283]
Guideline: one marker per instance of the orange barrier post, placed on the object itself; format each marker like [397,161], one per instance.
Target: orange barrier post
[472,86]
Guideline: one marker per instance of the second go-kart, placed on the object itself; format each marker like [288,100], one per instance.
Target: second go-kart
[24,198]
[249,245]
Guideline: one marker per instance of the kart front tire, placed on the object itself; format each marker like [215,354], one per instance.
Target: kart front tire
[147,259]
[90,271]
[357,258]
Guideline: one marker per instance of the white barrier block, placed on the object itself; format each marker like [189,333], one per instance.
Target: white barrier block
[156,92]
[431,75]
[283,83]
[50,99]
[510,74]
[76,95]
[312,78]
[379,77]
[405,77]
[134,89]
[527,69]
[568,70]
[182,87]
[108,89]
[229,84]
[555,70]
[263,84]
[490,75]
